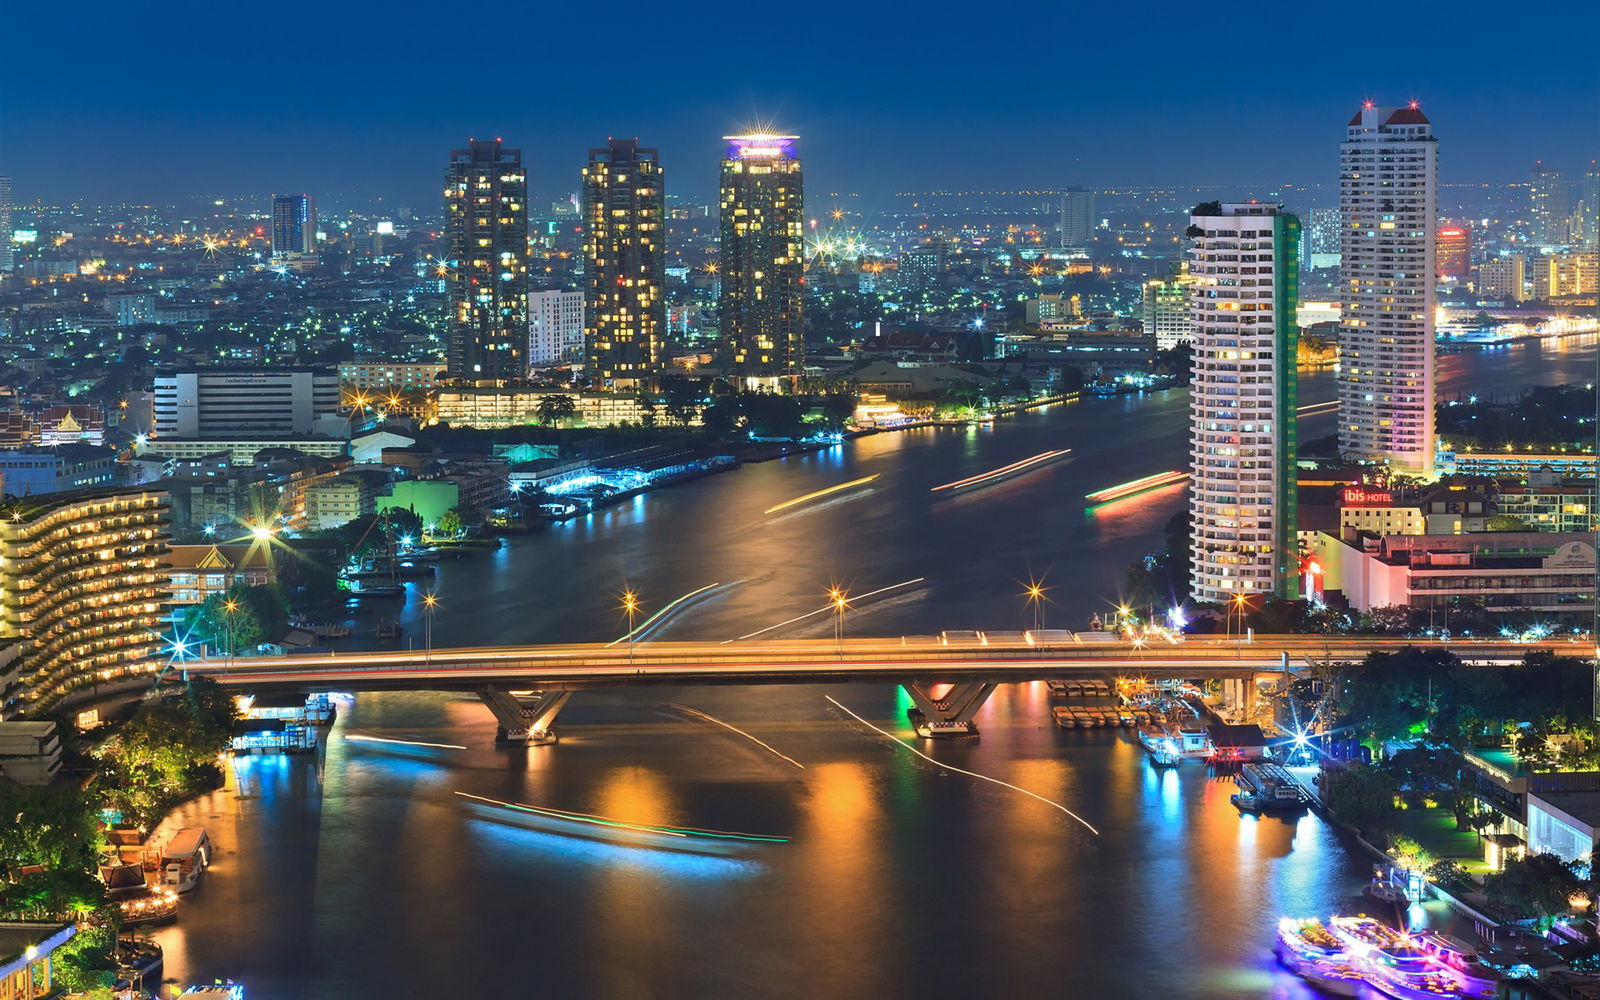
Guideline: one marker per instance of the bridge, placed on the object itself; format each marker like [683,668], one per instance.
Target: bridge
[527,686]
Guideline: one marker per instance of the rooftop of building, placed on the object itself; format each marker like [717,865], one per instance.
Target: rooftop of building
[31,508]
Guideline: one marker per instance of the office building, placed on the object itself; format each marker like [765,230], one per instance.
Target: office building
[229,402]
[763,260]
[486,271]
[1588,204]
[1076,228]
[8,257]
[624,262]
[1166,311]
[84,577]
[1453,251]
[1243,499]
[57,469]
[555,327]
[1388,204]
[1567,275]
[294,226]
[1503,278]
[1547,205]
[389,376]
[1322,239]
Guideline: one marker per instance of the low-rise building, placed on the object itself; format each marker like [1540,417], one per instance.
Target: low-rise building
[198,571]
[428,499]
[27,968]
[1542,572]
[334,502]
[36,471]
[496,409]
[30,752]
[243,450]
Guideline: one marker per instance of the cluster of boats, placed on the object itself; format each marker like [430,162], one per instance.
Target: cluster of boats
[1344,954]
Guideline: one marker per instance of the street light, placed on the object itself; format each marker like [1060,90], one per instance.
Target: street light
[1035,597]
[229,606]
[630,605]
[430,600]
[1239,608]
[841,600]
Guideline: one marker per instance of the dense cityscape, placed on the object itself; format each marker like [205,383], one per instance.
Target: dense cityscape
[734,584]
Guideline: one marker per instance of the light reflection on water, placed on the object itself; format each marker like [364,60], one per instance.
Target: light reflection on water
[361,875]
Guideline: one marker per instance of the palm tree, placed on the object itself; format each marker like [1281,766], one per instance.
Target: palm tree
[553,409]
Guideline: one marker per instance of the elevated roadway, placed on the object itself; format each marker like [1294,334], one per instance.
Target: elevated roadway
[526,686]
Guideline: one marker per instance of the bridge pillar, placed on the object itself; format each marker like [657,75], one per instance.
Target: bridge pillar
[526,718]
[948,716]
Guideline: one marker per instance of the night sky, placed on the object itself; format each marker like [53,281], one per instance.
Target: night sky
[105,101]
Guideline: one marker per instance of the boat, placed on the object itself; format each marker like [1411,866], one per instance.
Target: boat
[1460,962]
[1265,787]
[184,859]
[1391,960]
[137,900]
[380,592]
[1309,950]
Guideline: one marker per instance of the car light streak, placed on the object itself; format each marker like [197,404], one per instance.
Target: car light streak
[951,767]
[756,740]
[825,608]
[668,831]
[820,493]
[404,743]
[1137,486]
[1313,408]
[645,625]
[1004,470]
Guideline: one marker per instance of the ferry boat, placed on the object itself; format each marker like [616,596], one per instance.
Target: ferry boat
[1308,949]
[137,900]
[1265,786]
[1460,962]
[1392,961]
[184,859]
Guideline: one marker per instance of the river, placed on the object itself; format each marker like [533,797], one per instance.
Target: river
[363,874]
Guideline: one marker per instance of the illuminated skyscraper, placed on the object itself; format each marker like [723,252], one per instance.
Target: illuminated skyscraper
[1589,203]
[624,259]
[8,258]
[1547,204]
[1077,219]
[1453,251]
[1244,275]
[486,271]
[294,225]
[763,259]
[1388,204]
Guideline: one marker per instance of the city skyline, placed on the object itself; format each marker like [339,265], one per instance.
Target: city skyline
[1113,120]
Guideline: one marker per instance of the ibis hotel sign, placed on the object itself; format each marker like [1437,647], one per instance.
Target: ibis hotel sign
[1356,496]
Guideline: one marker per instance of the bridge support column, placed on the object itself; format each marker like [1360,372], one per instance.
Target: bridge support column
[526,718]
[948,716]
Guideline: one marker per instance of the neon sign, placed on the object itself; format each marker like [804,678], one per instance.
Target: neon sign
[1354,495]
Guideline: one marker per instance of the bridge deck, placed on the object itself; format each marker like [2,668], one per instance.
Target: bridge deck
[801,661]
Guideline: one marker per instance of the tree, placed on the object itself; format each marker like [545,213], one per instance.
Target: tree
[449,525]
[1363,797]
[555,408]
[1538,885]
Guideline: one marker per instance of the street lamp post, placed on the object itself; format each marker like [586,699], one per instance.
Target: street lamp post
[430,601]
[841,600]
[630,604]
[229,606]
[1036,598]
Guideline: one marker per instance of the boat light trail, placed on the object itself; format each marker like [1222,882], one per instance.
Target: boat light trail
[669,831]
[404,743]
[1136,486]
[828,608]
[821,493]
[1004,470]
[951,767]
[734,729]
[1312,408]
[645,625]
